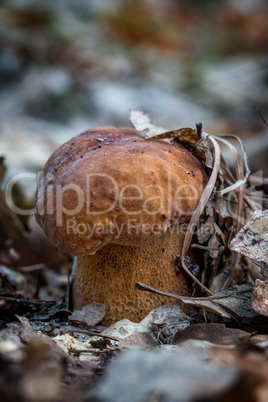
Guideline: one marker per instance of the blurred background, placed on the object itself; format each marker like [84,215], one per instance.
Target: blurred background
[68,66]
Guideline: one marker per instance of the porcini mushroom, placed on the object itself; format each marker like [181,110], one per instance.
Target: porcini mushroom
[118,203]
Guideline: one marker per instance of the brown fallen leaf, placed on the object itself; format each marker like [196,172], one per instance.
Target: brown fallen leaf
[259,299]
[138,341]
[214,244]
[160,324]
[214,333]
[204,145]
[91,314]
[206,230]
[252,240]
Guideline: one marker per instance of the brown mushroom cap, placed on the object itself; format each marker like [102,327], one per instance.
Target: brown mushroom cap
[111,186]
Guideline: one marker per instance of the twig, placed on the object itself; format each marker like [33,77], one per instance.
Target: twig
[91,333]
[141,286]
[199,127]
[31,268]
[262,117]
[27,301]
[96,351]
[207,248]
[217,261]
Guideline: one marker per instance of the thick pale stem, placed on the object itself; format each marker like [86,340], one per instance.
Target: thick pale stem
[109,276]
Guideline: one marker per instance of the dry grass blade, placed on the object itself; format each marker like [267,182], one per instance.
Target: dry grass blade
[239,182]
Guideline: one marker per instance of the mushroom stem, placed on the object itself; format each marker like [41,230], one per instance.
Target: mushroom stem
[109,276]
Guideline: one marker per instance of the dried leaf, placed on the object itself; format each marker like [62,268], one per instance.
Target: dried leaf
[259,299]
[226,206]
[205,145]
[167,320]
[219,280]
[159,319]
[142,122]
[68,343]
[237,301]
[206,230]
[214,245]
[138,341]
[252,240]
[91,314]
[213,333]
[185,135]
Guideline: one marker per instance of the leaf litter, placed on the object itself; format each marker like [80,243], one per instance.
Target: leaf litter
[54,354]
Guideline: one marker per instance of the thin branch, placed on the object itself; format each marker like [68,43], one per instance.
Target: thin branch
[262,117]
[91,333]
[143,287]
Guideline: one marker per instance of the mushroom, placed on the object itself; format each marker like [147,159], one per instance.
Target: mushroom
[120,204]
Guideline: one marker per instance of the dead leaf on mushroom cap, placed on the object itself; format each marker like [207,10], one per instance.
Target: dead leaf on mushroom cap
[142,122]
[252,240]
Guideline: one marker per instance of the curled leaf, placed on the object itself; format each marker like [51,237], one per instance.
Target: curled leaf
[142,122]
